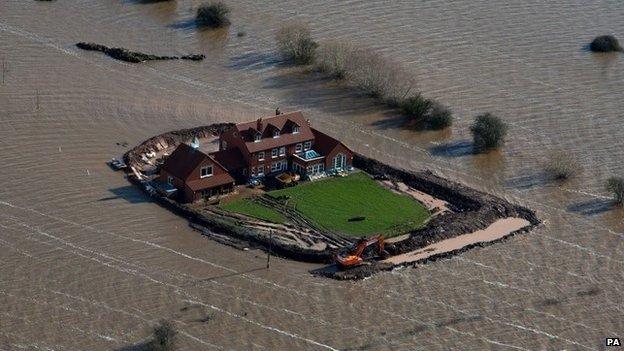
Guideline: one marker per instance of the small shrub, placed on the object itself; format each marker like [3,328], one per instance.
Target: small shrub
[605,43]
[332,58]
[294,41]
[440,117]
[416,108]
[488,131]
[616,186]
[426,113]
[164,338]
[214,15]
[561,166]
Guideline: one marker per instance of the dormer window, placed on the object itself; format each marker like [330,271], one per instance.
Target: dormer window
[257,137]
[205,171]
[295,129]
[260,155]
[276,133]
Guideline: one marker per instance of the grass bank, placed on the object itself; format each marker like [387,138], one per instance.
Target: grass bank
[251,208]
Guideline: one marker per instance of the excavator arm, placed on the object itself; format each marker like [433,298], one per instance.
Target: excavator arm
[355,258]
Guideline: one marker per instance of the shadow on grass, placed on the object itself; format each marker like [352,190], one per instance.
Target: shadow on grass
[592,207]
[453,149]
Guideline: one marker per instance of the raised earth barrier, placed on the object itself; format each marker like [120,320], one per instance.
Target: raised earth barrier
[133,56]
[470,211]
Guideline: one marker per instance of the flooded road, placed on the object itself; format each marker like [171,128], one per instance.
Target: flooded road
[87,262]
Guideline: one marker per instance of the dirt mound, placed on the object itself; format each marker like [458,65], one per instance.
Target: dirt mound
[133,56]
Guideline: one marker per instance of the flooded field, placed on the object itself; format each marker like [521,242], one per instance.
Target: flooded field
[87,262]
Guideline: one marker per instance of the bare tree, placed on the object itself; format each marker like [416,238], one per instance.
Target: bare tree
[295,42]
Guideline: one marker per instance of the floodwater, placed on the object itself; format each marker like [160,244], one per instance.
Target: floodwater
[87,262]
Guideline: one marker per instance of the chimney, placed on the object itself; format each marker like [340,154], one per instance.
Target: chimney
[259,125]
[278,112]
[195,143]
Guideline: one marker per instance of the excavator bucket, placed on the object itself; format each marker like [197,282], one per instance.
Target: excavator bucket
[356,256]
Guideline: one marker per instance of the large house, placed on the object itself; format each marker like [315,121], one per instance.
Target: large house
[251,150]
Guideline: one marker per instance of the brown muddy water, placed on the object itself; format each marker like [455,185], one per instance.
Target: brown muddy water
[87,262]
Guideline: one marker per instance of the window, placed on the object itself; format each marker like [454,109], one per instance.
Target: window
[274,153]
[260,155]
[206,171]
[298,147]
[170,180]
[260,170]
[282,151]
[307,145]
[276,133]
[224,145]
[257,137]
[244,171]
[340,161]
[295,129]
[253,171]
[278,166]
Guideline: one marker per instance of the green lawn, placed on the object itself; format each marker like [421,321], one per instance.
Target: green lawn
[332,202]
[253,209]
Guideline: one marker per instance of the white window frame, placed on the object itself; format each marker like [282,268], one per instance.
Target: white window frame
[276,133]
[295,130]
[201,171]
[170,180]
[261,156]
[343,158]
[274,153]
[253,171]
[299,147]
[307,145]
[257,137]
[260,170]
[282,151]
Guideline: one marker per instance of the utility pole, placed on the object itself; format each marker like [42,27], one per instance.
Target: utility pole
[37,106]
[269,253]
[4,69]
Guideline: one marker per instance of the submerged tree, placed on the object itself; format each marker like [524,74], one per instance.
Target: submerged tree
[561,166]
[616,186]
[164,337]
[294,41]
[488,132]
[214,15]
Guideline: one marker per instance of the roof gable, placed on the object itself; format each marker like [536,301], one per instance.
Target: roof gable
[185,159]
[325,144]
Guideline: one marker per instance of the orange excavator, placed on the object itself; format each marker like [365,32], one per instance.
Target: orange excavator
[364,249]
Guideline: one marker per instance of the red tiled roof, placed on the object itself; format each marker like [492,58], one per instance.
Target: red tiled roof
[279,121]
[230,159]
[209,182]
[183,161]
[323,143]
